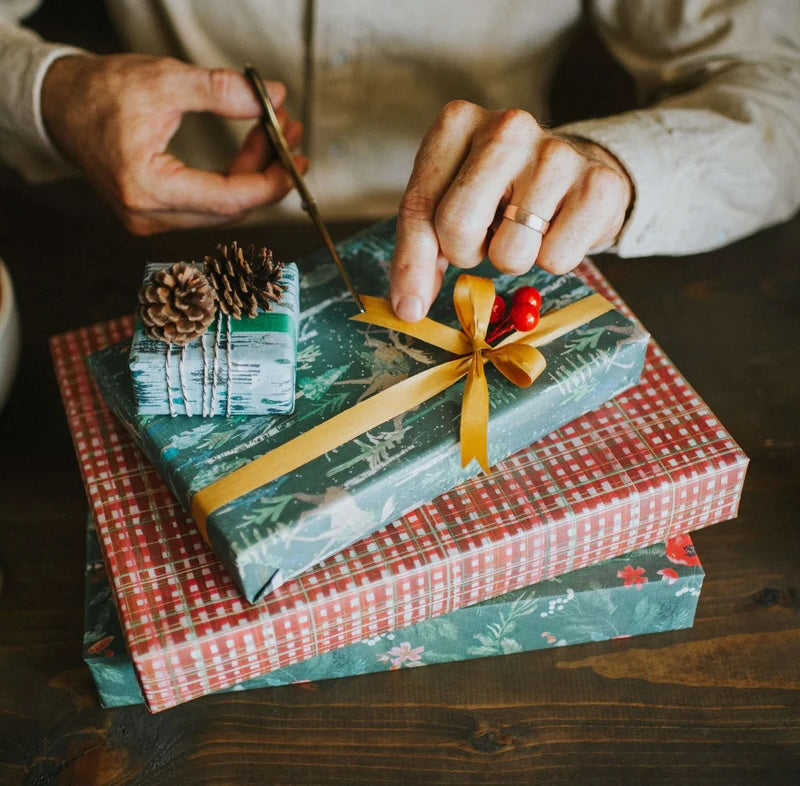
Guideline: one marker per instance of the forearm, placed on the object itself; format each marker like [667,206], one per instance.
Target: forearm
[24,142]
[713,155]
[708,166]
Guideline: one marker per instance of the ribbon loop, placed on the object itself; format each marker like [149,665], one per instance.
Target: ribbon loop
[473,298]
[519,363]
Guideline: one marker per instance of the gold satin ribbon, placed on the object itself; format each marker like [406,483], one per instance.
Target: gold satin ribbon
[516,357]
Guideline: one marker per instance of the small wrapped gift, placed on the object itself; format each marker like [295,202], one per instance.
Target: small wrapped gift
[360,449]
[216,339]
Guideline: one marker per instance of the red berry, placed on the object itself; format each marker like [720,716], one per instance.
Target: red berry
[524,316]
[529,295]
[498,310]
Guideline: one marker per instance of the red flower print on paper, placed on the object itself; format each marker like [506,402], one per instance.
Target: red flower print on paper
[681,551]
[404,655]
[670,575]
[633,576]
[102,646]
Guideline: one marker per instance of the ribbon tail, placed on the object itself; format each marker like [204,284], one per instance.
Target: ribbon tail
[379,312]
[327,436]
[475,416]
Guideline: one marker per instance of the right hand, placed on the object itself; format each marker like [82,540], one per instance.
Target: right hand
[114,117]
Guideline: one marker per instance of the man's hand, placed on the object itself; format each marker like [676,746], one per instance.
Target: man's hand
[114,117]
[474,162]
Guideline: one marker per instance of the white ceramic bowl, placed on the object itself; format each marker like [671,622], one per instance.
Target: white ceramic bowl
[9,334]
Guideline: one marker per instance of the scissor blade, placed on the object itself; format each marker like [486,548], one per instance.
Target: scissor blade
[272,128]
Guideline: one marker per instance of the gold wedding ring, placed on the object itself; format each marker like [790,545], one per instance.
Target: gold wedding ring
[531,220]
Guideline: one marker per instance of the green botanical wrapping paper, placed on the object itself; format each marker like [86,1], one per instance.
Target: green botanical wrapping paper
[253,374]
[279,530]
[641,592]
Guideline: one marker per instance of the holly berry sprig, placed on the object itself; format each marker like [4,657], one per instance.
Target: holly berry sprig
[523,315]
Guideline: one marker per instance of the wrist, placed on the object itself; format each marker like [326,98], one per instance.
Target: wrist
[57,96]
[598,152]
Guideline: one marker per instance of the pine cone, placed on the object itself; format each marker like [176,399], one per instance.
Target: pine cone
[244,282]
[177,304]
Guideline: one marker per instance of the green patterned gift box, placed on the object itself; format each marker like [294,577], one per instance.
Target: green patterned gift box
[281,529]
[651,590]
[238,367]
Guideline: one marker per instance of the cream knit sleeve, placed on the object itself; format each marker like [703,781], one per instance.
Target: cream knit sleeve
[714,154]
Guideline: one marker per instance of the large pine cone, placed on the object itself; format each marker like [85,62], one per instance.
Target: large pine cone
[244,282]
[177,304]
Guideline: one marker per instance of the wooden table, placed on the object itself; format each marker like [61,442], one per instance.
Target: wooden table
[719,703]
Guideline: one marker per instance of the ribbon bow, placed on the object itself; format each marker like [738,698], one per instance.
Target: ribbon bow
[516,357]
[518,361]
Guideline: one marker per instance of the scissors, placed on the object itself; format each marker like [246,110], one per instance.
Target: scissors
[272,127]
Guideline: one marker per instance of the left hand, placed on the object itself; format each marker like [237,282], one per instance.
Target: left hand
[473,163]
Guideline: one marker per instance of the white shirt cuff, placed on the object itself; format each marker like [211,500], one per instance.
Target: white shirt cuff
[25,144]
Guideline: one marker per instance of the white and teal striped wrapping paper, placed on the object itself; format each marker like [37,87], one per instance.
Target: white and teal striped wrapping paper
[238,367]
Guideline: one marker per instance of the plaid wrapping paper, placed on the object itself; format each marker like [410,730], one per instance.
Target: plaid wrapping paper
[652,462]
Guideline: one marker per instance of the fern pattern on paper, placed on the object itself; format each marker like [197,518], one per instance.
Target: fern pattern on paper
[285,527]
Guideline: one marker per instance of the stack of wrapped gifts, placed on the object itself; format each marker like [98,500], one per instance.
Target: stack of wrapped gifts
[282,490]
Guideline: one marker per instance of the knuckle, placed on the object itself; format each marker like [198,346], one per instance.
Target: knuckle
[416,205]
[459,108]
[454,220]
[457,112]
[460,237]
[131,196]
[158,74]
[407,270]
[602,183]
[222,81]
[558,153]
[514,126]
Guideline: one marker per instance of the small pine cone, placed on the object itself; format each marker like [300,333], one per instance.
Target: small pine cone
[177,304]
[244,282]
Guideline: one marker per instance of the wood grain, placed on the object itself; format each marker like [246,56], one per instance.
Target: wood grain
[719,703]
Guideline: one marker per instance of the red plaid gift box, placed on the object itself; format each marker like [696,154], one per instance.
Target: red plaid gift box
[651,463]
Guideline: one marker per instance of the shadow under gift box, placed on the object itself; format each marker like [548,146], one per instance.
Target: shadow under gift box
[635,594]
[287,526]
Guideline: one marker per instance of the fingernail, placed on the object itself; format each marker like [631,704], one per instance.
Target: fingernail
[409,308]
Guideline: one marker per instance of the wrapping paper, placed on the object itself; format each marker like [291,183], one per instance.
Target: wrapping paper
[651,463]
[254,374]
[651,590]
[283,528]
